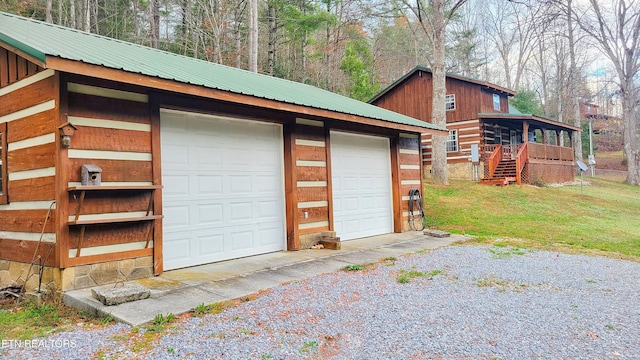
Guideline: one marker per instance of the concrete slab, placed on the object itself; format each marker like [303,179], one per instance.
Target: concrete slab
[180,291]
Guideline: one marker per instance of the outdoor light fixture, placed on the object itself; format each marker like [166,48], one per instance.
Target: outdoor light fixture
[66,132]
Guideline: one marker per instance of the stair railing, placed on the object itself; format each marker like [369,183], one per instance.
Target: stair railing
[521,161]
[494,160]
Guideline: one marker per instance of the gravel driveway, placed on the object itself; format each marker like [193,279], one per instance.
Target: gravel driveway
[459,302]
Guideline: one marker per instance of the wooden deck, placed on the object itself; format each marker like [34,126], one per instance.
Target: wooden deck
[526,163]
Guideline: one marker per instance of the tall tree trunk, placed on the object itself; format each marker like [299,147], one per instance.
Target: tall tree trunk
[438,113]
[72,13]
[253,35]
[631,133]
[60,12]
[87,16]
[155,23]
[94,15]
[575,102]
[47,11]
[238,34]
[271,51]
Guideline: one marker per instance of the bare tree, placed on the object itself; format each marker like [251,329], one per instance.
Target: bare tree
[616,29]
[86,23]
[47,11]
[574,81]
[155,23]
[434,23]
[511,28]
[253,35]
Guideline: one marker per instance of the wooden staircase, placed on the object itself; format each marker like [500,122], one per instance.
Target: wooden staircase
[504,174]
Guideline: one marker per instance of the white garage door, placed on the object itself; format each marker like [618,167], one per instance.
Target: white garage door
[223,188]
[361,179]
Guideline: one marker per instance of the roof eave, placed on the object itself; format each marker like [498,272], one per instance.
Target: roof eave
[25,51]
[119,75]
[395,84]
[530,117]
[411,72]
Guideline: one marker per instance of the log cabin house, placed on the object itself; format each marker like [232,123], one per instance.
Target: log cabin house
[187,162]
[478,113]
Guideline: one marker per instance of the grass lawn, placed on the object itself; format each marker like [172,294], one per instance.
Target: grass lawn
[604,217]
[28,321]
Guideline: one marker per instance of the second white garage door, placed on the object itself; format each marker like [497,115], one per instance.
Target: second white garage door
[361,183]
[223,194]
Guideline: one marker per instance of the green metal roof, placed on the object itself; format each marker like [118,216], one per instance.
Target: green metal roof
[39,40]
[514,111]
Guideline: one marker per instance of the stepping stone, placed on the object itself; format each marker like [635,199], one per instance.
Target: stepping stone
[436,233]
[118,295]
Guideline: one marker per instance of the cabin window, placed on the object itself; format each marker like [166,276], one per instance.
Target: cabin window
[450,102]
[452,141]
[497,135]
[496,102]
[3,164]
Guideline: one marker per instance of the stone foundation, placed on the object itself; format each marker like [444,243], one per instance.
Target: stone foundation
[85,276]
[78,277]
[17,273]
[456,171]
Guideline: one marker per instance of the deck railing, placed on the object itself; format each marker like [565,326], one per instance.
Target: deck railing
[521,161]
[550,152]
[494,160]
[507,151]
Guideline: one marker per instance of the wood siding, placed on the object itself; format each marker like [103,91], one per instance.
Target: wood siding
[412,97]
[14,68]
[28,119]
[311,167]
[409,174]
[468,132]
[114,133]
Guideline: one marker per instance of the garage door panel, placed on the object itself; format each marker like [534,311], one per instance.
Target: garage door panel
[179,248]
[211,244]
[361,179]
[269,236]
[210,214]
[220,200]
[209,185]
[207,156]
[176,216]
[175,186]
[175,154]
[240,184]
[267,184]
[241,240]
[268,210]
[240,212]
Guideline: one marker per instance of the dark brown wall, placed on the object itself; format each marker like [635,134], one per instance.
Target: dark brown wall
[412,97]
[14,67]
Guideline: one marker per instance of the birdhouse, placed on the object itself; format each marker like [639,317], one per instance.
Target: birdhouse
[66,132]
[91,175]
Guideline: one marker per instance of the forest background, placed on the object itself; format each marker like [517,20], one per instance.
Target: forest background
[552,52]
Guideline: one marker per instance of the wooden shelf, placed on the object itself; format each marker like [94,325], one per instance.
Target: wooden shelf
[112,220]
[83,189]
[113,187]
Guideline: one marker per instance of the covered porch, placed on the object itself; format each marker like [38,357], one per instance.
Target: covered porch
[526,149]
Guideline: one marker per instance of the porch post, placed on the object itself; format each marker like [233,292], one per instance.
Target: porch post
[525,131]
[570,133]
[559,137]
